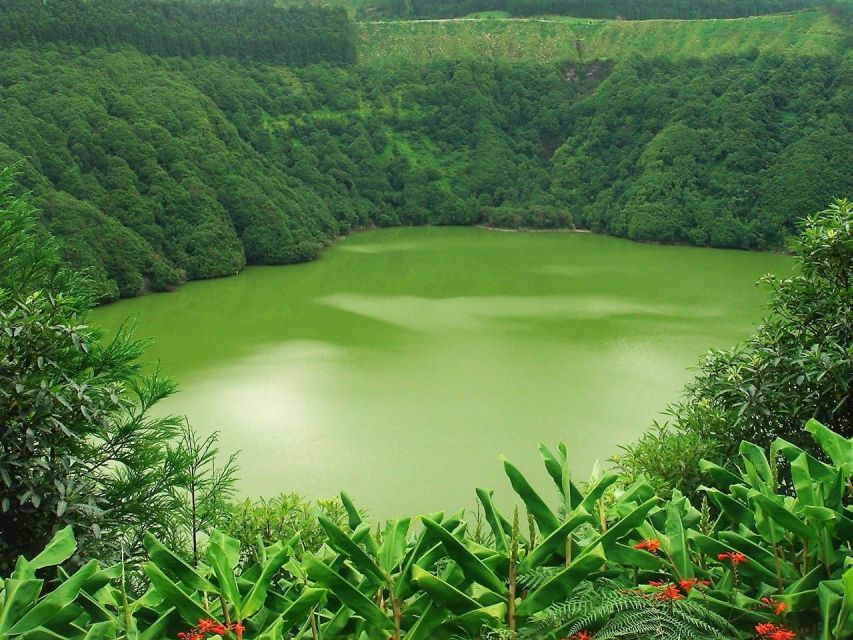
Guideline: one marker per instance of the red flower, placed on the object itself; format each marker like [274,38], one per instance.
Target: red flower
[220,629]
[205,625]
[670,592]
[770,631]
[778,607]
[582,635]
[736,557]
[238,628]
[688,584]
[652,546]
[656,583]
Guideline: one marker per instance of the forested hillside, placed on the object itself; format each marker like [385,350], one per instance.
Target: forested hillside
[155,170]
[294,36]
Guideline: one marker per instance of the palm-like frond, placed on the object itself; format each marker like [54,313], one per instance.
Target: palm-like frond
[615,612]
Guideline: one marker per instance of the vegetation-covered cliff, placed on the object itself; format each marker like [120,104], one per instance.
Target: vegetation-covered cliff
[158,152]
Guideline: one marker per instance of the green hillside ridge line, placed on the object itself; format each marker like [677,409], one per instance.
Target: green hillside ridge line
[552,39]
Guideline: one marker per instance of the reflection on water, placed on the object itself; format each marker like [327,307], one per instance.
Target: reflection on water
[404,362]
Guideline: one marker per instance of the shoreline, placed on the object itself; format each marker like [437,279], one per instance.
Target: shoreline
[520,230]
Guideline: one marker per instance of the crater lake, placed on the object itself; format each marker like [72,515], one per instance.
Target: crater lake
[401,364]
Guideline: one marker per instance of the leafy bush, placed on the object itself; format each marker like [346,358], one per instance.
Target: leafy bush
[78,444]
[797,365]
[604,564]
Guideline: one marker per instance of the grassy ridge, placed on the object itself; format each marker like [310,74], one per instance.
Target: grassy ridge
[545,40]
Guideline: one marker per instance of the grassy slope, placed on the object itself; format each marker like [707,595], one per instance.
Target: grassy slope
[545,40]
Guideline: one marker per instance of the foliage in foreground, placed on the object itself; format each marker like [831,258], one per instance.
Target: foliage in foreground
[78,444]
[757,562]
[797,365]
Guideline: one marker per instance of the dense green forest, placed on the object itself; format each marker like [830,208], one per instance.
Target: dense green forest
[155,170]
[260,31]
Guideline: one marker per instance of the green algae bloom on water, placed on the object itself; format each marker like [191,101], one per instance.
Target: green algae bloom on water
[403,362]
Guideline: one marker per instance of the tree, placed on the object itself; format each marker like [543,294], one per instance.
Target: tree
[77,442]
[796,366]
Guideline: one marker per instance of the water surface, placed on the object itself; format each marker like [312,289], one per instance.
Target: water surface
[405,361]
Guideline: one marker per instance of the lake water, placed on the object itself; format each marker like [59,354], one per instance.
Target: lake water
[404,362]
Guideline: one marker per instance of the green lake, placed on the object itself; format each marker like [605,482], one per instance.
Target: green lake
[404,362]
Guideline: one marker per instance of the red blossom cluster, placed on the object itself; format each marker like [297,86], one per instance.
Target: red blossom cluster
[670,591]
[581,635]
[207,626]
[778,607]
[652,546]
[770,631]
[688,584]
[736,557]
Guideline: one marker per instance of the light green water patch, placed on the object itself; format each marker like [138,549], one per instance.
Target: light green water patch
[401,364]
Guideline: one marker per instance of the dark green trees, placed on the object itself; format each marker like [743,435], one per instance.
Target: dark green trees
[77,443]
[252,30]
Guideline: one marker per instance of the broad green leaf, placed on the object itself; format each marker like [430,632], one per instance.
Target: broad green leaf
[101,631]
[473,567]
[190,610]
[630,557]
[734,511]
[42,633]
[258,594]
[594,494]
[160,626]
[393,546]
[560,587]
[554,543]
[54,602]
[337,625]
[784,518]
[624,526]
[722,478]
[830,605]
[443,594]
[347,593]
[353,515]
[758,469]
[545,518]
[845,616]
[229,545]
[18,598]
[58,550]
[557,467]
[302,607]
[342,543]
[219,562]
[425,626]
[172,564]
[677,542]
[757,553]
[474,621]
[273,632]
[493,518]
[838,448]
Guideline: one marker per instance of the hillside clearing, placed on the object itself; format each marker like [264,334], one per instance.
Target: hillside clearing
[571,39]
